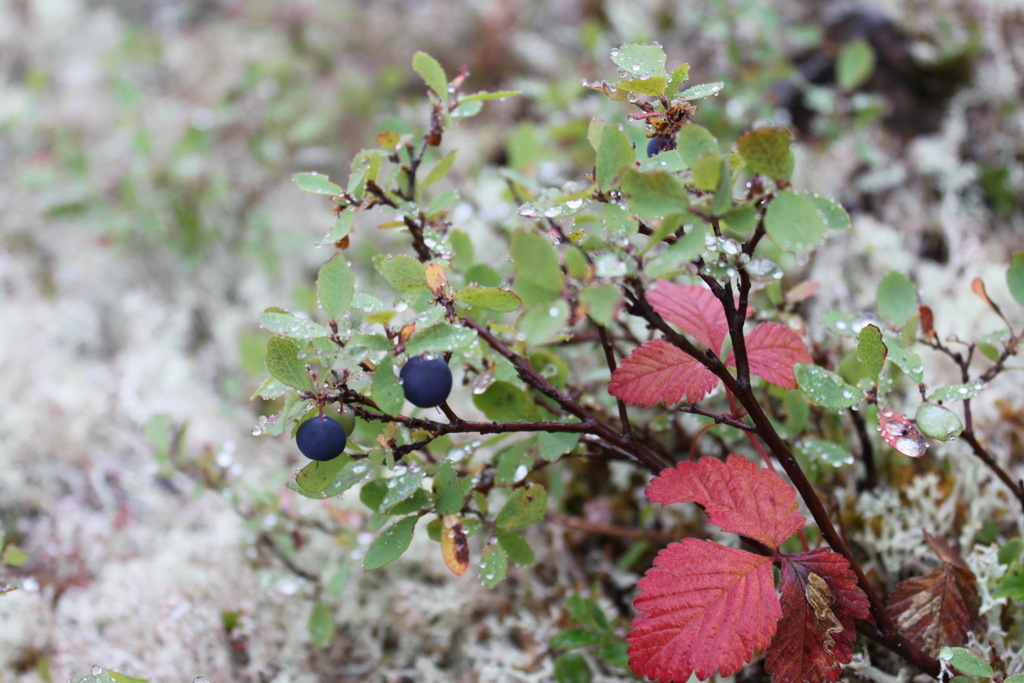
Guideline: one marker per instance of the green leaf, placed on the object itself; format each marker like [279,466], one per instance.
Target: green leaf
[1015,678]
[572,668]
[1011,585]
[505,402]
[526,506]
[826,452]
[669,225]
[321,625]
[676,80]
[722,202]
[440,169]
[794,222]
[707,172]
[538,274]
[385,389]
[842,323]
[124,678]
[956,392]
[871,351]
[989,351]
[465,110]
[615,654]
[448,494]
[572,638]
[601,301]
[586,612]
[281,322]
[14,556]
[640,61]
[489,298]
[1011,550]
[335,286]
[442,202]
[403,272]
[834,215]
[284,364]
[440,338]
[694,142]
[390,544]
[1015,277]
[595,129]
[614,153]
[514,463]
[644,86]
[575,263]
[673,261]
[484,96]
[938,422]
[432,73]
[906,360]
[517,549]
[825,388]
[965,661]
[340,230]
[854,65]
[767,151]
[401,487]
[493,565]
[702,90]
[896,299]
[652,195]
[316,183]
[542,322]
[317,475]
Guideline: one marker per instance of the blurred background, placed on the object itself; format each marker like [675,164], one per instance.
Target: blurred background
[146,152]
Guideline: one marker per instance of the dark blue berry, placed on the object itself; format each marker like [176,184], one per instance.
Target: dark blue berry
[426,381]
[655,144]
[321,438]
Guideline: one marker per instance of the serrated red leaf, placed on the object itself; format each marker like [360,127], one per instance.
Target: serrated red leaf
[659,371]
[772,351]
[693,309]
[737,495]
[820,600]
[704,607]
[939,608]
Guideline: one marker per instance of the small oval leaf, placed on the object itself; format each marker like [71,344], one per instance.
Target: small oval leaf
[316,183]
[390,544]
[938,422]
[825,388]
[526,506]
[489,298]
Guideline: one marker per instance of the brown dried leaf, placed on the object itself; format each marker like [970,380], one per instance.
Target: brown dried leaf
[939,608]
[454,545]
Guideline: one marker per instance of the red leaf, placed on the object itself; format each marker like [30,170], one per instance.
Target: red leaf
[694,309]
[820,600]
[705,607]
[941,607]
[658,371]
[772,351]
[738,496]
[900,433]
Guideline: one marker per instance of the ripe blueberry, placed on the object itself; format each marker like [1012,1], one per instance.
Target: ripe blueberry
[321,438]
[655,145]
[426,381]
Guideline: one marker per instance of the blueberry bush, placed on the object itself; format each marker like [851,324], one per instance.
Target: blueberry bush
[643,334]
